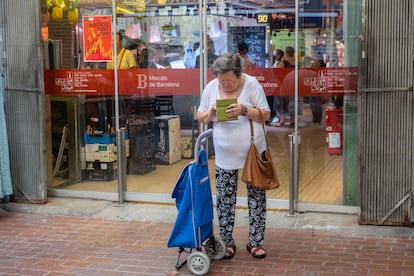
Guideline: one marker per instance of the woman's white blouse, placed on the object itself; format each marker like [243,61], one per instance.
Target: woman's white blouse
[232,138]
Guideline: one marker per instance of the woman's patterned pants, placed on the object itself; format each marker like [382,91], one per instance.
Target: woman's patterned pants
[226,185]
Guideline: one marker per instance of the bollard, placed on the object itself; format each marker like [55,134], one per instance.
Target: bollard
[122,162]
[294,147]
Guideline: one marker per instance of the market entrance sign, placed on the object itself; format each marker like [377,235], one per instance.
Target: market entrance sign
[338,81]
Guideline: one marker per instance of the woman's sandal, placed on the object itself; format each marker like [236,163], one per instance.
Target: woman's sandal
[230,252]
[254,251]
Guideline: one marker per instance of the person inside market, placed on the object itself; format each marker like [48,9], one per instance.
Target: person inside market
[136,47]
[242,50]
[284,107]
[146,58]
[315,102]
[126,59]
[232,83]
[141,46]
[278,58]
[133,48]
[211,55]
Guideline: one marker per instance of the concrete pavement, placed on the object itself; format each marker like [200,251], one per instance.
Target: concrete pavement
[87,237]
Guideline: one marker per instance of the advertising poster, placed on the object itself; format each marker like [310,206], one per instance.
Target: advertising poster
[97,38]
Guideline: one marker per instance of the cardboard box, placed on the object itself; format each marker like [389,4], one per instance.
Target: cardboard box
[98,175]
[101,156]
[97,165]
[105,148]
[100,171]
[167,139]
[102,139]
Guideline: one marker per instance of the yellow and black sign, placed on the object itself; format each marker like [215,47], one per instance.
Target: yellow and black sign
[263,18]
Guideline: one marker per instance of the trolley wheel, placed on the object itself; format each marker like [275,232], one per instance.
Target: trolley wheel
[215,251]
[198,263]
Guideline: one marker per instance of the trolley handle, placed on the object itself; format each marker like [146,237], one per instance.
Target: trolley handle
[201,141]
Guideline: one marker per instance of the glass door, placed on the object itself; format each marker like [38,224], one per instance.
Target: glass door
[173,45]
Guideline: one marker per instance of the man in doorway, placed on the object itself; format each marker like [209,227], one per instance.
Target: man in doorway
[126,59]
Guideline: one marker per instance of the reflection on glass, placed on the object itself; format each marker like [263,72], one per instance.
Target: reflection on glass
[167,43]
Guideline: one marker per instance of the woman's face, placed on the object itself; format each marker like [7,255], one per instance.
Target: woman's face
[278,56]
[229,82]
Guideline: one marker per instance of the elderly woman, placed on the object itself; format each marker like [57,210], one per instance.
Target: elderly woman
[231,139]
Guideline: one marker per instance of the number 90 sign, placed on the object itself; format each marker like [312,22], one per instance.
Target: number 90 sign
[262,18]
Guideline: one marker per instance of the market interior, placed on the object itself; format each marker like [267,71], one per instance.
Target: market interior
[320,175]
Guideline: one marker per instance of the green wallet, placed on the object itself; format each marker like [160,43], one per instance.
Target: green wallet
[221,107]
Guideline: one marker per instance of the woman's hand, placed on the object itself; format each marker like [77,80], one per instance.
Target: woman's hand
[250,113]
[235,110]
[206,116]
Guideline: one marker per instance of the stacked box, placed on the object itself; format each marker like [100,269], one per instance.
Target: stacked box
[167,139]
[107,148]
[100,171]
[101,157]
[103,152]
[100,152]
[102,139]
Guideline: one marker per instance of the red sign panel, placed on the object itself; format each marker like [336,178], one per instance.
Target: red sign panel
[130,82]
[276,82]
[97,38]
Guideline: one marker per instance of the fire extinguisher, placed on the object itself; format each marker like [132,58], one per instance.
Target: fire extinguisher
[334,129]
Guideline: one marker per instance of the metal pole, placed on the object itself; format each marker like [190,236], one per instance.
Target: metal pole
[296,64]
[121,164]
[294,147]
[294,138]
[119,132]
[115,61]
[296,142]
[202,10]
[291,183]
[296,133]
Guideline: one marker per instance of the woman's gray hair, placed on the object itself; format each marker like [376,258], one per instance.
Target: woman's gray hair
[227,62]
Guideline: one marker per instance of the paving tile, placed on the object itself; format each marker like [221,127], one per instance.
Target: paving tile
[43,244]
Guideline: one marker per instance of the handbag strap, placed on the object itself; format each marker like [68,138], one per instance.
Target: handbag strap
[263,126]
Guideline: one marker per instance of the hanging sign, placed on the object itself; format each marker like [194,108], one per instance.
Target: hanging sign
[97,38]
